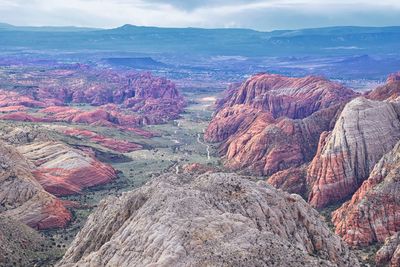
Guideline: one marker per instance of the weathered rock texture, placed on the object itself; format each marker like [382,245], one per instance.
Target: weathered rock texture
[292,180]
[363,133]
[272,123]
[62,170]
[389,253]
[373,213]
[389,91]
[23,198]
[210,220]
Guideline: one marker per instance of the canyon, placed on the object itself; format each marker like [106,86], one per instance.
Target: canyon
[104,163]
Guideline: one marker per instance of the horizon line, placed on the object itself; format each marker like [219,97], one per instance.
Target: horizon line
[191,27]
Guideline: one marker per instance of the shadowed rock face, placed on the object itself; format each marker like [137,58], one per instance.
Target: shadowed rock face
[389,254]
[373,213]
[206,220]
[363,133]
[389,91]
[272,123]
[292,180]
[23,198]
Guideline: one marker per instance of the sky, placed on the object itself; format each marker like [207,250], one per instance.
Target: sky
[262,15]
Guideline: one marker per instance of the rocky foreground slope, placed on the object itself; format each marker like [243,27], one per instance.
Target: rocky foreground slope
[20,245]
[209,220]
[271,122]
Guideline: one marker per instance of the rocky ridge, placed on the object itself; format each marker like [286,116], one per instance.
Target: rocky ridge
[211,219]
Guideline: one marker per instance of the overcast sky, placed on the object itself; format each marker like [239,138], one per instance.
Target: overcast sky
[255,14]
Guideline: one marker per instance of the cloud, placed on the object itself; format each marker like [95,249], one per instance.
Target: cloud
[257,14]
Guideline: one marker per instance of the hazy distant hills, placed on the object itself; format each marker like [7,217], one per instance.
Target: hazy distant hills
[325,41]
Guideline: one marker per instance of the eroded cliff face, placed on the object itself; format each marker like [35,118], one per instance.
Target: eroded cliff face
[389,253]
[363,133]
[271,123]
[207,220]
[23,198]
[373,213]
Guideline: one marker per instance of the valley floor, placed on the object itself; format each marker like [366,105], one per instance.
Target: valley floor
[176,143]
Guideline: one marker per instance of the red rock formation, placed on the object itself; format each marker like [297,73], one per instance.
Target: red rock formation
[363,133]
[117,145]
[389,91]
[145,99]
[22,116]
[289,97]
[197,168]
[292,180]
[23,198]
[13,109]
[138,131]
[114,144]
[373,213]
[62,170]
[271,123]
[115,117]
[268,145]
[9,98]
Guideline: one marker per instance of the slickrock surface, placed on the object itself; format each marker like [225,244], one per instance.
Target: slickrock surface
[23,198]
[373,213]
[363,133]
[209,220]
[389,252]
[389,91]
[272,123]
[62,170]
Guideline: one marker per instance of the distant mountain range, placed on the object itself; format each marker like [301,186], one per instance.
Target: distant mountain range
[129,38]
